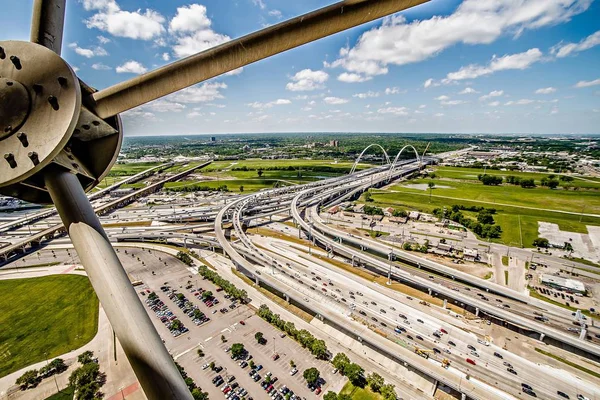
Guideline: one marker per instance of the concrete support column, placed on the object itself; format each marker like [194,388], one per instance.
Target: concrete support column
[256,280]
[542,336]
[429,291]
[445,304]
[477,311]
[583,334]
[463,396]
[286,297]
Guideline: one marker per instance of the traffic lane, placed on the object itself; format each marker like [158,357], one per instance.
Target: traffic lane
[488,359]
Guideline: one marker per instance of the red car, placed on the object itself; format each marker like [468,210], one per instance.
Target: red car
[242,323]
[443,331]
[318,391]
[471,361]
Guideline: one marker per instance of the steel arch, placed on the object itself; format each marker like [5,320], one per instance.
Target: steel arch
[363,152]
[398,155]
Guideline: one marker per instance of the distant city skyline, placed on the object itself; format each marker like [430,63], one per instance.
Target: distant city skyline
[474,67]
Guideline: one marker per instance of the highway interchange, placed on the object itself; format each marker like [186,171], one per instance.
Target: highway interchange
[320,286]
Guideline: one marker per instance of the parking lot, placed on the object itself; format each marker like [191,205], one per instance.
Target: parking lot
[183,345]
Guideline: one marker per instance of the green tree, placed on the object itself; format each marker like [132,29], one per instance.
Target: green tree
[541,242]
[241,188]
[200,353]
[388,392]
[319,349]
[237,349]
[341,361]
[28,379]
[207,295]
[223,339]
[259,172]
[258,336]
[330,396]
[368,196]
[311,375]
[86,357]
[354,373]
[211,365]
[198,394]
[292,364]
[375,381]
[568,247]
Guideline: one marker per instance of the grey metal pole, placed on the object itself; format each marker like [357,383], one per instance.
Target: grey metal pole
[152,364]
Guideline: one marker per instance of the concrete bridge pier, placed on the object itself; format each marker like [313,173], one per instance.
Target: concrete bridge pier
[542,336]
[463,396]
[477,311]
[429,291]
[286,297]
[445,304]
[583,334]
[256,280]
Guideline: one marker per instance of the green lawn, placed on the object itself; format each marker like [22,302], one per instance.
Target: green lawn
[587,201]
[570,363]
[64,394]
[472,173]
[505,261]
[53,315]
[358,393]
[519,225]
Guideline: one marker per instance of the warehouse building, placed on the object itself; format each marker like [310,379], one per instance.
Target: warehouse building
[561,283]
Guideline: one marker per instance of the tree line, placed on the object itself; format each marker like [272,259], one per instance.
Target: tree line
[227,286]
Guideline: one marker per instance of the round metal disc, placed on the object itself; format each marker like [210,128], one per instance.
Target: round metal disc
[14,106]
[54,106]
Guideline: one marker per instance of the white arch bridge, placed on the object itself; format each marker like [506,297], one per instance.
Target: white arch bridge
[393,163]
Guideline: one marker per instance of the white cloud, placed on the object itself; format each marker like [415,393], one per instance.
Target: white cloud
[521,102]
[194,114]
[564,49]
[422,106]
[507,62]
[442,98]
[259,3]
[307,80]
[96,51]
[275,13]
[453,102]
[164,105]
[547,90]
[190,18]
[583,84]
[474,22]
[306,108]
[165,56]
[439,115]
[493,93]
[392,90]
[468,90]
[428,83]
[494,104]
[100,67]
[366,94]
[207,91]
[110,18]
[335,100]
[554,111]
[103,39]
[236,71]
[352,78]
[270,104]
[132,67]
[401,111]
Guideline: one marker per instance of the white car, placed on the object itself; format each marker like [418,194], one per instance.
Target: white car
[205,366]
[293,372]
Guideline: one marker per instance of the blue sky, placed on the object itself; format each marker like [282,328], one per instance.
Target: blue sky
[472,66]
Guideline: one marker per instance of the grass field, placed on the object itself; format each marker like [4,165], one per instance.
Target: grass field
[64,394]
[358,393]
[519,225]
[472,173]
[570,363]
[48,315]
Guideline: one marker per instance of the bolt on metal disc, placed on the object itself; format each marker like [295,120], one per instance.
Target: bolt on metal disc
[40,101]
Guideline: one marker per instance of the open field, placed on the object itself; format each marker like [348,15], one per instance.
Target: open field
[586,201]
[344,167]
[358,393]
[44,317]
[516,222]
[471,174]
